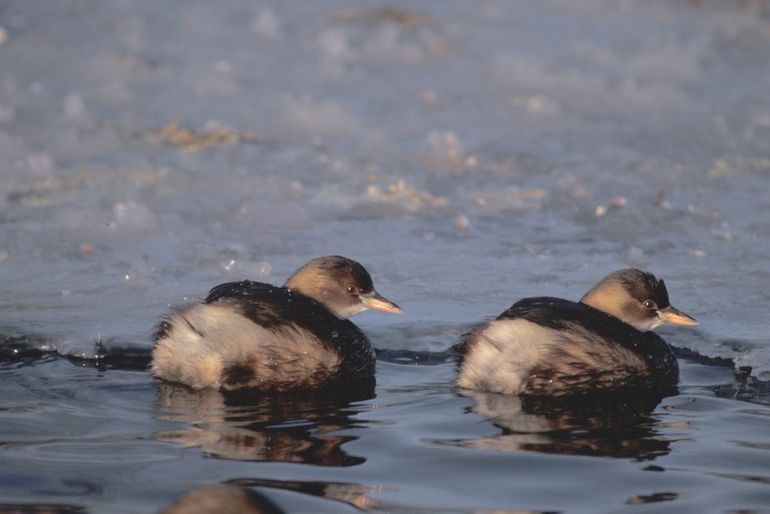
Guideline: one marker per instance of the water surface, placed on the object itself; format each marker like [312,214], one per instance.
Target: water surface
[468,154]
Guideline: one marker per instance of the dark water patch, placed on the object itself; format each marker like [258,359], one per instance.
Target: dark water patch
[115,355]
[75,487]
[41,508]
[745,388]
[17,347]
[30,359]
[693,356]
[422,358]
[763,479]
[654,498]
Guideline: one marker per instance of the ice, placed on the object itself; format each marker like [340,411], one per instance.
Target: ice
[7,113]
[462,223]
[266,24]
[132,217]
[75,110]
[311,118]
[468,154]
[445,144]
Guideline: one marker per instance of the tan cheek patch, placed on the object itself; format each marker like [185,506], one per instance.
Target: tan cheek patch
[609,298]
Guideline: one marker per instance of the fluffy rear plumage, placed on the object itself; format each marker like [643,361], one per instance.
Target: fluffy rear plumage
[250,335]
[553,347]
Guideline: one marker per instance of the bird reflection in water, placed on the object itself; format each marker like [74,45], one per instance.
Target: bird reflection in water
[223,499]
[607,425]
[344,492]
[264,427]
[238,496]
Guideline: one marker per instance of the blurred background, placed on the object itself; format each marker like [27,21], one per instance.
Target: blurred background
[468,153]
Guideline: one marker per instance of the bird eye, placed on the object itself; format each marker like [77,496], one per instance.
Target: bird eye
[351,289]
[649,304]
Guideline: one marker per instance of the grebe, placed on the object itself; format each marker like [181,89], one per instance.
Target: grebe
[251,335]
[553,347]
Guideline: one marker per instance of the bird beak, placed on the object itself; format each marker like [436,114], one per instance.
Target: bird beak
[676,317]
[377,302]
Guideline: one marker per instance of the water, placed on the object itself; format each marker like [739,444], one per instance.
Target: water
[467,154]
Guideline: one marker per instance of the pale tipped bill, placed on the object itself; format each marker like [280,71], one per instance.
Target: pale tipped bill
[377,302]
[676,317]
